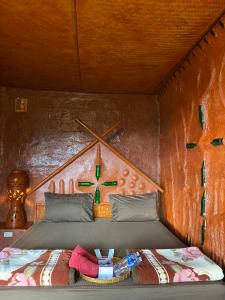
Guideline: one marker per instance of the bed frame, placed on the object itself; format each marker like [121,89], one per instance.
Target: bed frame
[82,168]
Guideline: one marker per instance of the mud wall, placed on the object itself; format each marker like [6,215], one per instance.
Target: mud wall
[192,142]
[46,136]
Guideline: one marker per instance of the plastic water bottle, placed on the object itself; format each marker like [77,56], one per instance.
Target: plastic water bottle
[127,264]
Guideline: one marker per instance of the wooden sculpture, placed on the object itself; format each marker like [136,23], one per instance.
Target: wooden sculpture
[16,185]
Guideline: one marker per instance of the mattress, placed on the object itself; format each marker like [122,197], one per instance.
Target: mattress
[105,234]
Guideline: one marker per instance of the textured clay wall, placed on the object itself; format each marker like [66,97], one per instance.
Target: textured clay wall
[46,136]
[192,113]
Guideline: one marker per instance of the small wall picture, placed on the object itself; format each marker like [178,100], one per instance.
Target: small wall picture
[20,104]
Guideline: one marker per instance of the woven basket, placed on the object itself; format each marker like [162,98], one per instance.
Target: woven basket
[107,281]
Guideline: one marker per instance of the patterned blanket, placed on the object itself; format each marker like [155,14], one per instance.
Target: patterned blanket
[160,266]
[21,267]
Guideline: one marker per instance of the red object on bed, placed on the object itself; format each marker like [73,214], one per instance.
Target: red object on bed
[84,262]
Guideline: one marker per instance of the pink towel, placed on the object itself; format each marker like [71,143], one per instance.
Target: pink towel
[80,260]
[82,251]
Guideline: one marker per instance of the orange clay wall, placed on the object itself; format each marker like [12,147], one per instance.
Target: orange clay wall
[47,135]
[192,108]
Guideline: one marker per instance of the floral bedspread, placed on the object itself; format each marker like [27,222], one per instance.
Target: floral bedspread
[160,266]
[22,267]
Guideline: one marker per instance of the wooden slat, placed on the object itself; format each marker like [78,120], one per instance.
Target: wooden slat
[71,186]
[52,186]
[61,186]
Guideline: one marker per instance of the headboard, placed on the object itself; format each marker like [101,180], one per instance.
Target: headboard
[99,167]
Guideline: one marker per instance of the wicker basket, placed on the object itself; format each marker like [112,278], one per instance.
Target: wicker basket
[107,281]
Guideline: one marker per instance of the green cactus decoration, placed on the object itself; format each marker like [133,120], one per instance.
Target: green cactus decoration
[191,145]
[203,202]
[201,109]
[217,142]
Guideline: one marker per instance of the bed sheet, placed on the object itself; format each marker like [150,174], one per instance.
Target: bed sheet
[105,234]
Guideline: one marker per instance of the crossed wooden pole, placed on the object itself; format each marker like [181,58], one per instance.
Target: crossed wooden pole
[92,144]
[117,153]
[72,159]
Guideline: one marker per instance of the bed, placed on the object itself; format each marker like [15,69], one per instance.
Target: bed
[103,232]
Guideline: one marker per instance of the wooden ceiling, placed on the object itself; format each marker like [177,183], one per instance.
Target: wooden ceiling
[115,46]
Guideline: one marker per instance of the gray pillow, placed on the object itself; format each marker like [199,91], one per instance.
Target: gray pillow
[69,207]
[134,208]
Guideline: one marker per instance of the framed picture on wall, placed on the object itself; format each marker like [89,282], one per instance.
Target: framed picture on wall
[20,104]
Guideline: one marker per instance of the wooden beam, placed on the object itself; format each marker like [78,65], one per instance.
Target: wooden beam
[111,148]
[69,161]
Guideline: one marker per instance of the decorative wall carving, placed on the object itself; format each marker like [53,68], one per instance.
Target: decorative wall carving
[130,181]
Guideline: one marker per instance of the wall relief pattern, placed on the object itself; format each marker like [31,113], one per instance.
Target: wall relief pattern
[193,147]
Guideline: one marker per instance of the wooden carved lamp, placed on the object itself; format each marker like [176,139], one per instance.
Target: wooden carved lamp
[16,186]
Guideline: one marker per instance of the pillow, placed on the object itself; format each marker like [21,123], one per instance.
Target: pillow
[69,207]
[134,208]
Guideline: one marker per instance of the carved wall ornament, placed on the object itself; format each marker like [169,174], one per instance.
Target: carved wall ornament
[98,175]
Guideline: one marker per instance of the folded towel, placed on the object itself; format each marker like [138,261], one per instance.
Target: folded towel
[82,251]
[83,265]
[175,265]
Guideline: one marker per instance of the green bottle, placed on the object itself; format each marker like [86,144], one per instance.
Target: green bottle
[217,142]
[203,204]
[85,183]
[109,183]
[203,174]
[98,171]
[203,229]
[191,145]
[201,111]
[97,196]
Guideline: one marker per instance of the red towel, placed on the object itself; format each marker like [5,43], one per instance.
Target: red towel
[82,251]
[83,265]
